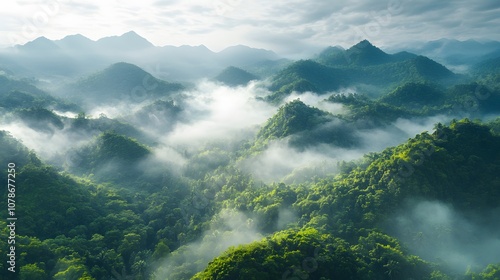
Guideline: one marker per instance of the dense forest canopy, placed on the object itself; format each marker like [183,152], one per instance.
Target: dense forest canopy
[353,164]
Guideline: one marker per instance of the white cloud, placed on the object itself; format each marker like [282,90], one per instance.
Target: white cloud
[217,112]
[284,26]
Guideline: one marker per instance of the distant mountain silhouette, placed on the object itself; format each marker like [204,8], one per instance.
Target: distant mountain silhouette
[76,55]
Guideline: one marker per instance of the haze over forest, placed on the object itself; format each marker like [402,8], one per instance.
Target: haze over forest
[332,157]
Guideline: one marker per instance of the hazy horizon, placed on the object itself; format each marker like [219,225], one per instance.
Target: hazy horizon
[296,29]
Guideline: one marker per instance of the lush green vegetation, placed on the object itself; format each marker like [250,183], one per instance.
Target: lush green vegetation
[118,206]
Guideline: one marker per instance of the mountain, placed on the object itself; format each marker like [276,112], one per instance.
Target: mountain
[191,185]
[76,55]
[40,44]
[234,76]
[75,43]
[362,64]
[361,54]
[352,214]
[118,82]
[42,57]
[127,42]
[455,52]
[112,157]
[305,126]
[308,75]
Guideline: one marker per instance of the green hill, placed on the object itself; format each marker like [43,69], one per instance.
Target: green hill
[234,76]
[111,157]
[305,126]
[456,165]
[121,81]
[362,64]
[291,118]
[307,75]
[309,254]
[94,231]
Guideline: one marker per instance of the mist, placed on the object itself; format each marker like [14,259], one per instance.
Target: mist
[282,161]
[51,145]
[438,232]
[213,112]
[319,100]
[228,228]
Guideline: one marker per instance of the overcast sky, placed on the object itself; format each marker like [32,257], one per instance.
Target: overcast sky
[287,27]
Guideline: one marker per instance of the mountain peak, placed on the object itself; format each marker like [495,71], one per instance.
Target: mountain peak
[364,43]
[40,44]
[128,41]
[364,53]
[76,41]
[132,34]
[75,37]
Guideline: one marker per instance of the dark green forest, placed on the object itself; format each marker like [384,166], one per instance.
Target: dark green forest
[130,197]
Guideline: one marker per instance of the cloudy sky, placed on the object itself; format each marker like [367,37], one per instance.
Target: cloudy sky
[288,27]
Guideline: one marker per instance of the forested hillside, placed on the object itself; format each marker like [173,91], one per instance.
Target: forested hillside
[353,164]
